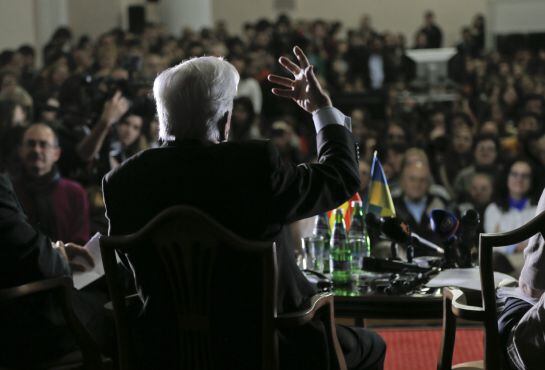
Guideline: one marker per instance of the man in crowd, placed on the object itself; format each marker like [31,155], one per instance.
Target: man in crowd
[434,35]
[246,187]
[415,202]
[57,206]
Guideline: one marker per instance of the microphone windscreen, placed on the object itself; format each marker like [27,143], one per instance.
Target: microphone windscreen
[396,230]
[443,223]
[471,218]
[372,222]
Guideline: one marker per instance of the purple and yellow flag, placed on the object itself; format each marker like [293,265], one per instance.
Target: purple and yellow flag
[379,199]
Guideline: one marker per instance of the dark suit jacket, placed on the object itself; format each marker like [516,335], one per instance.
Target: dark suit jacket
[31,328]
[244,186]
[422,228]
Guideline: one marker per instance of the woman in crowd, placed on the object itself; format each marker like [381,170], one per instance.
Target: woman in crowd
[514,205]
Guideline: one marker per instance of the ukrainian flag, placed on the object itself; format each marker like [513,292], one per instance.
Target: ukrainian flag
[379,199]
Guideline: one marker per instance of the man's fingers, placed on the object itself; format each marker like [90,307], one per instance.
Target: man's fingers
[282,81]
[77,267]
[73,250]
[284,93]
[311,78]
[301,57]
[117,96]
[289,65]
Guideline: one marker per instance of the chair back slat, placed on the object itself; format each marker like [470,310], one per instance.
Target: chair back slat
[204,265]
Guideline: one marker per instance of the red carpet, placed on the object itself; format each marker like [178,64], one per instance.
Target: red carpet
[418,349]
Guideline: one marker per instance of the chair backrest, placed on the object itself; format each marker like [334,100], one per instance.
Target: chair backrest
[206,267]
[488,292]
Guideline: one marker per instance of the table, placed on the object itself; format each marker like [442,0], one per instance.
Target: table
[359,304]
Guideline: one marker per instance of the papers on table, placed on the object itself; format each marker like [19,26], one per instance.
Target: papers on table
[82,279]
[466,278]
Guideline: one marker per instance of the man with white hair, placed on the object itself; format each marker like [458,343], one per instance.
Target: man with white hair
[247,188]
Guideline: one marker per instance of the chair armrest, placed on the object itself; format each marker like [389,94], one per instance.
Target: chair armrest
[298,318]
[63,282]
[109,306]
[460,308]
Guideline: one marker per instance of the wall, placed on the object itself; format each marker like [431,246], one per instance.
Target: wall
[93,17]
[395,15]
[17,23]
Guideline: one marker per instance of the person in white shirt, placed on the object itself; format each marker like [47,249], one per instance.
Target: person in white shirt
[515,204]
[521,315]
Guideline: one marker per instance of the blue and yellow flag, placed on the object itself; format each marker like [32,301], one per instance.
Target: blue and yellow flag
[379,199]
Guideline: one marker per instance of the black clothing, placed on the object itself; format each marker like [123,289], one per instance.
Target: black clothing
[248,189]
[33,330]
[510,311]
[434,36]
[423,227]
[26,255]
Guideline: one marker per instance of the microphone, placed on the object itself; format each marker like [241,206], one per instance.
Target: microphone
[373,222]
[444,224]
[469,226]
[399,232]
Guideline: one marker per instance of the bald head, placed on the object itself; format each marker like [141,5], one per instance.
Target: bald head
[39,150]
[415,180]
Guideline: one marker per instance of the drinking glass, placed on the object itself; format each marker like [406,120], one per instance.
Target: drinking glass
[313,252]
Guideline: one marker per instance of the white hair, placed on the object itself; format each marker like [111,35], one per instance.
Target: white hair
[193,96]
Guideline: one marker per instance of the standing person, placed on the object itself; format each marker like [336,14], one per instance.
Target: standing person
[514,205]
[247,188]
[434,35]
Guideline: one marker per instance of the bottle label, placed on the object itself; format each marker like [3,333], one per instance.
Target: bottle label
[341,265]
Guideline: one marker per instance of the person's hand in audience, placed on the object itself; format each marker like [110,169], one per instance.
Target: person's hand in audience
[77,256]
[114,108]
[304,88]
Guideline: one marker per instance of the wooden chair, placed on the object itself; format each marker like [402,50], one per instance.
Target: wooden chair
[189,243]
[60,289]
[481,306]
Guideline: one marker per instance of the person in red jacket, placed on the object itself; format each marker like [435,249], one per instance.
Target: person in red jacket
[57,206]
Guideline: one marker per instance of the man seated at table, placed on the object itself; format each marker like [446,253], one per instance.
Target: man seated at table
[246,187]
[33,331]
[521,318]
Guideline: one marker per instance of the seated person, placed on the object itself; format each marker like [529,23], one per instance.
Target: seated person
[247,188]
[57,206]
[521,319]
[485,160]
[33,330]
[416,201]
[514,205]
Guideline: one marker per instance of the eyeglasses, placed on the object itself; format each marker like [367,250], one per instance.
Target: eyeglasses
[40,143]
[520,175]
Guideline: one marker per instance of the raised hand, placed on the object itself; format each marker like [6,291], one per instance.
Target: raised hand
[115,108]
[304,88]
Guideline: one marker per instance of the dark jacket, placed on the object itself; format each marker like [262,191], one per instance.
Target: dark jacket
[32,330]
[422,228]
[244,186]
